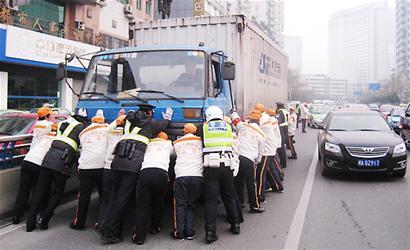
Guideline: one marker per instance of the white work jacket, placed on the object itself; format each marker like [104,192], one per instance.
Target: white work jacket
[37,153]
[158,154]
[114,136]
[93,140]
[270,127]
[41,128]
[189,160]
[305,114]
[251,140]
[292,123]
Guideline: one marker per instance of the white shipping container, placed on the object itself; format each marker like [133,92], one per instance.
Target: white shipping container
[261,65]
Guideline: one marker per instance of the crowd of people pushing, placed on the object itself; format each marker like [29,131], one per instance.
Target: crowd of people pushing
[131,156]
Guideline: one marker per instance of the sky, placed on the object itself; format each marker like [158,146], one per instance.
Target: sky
[308,19]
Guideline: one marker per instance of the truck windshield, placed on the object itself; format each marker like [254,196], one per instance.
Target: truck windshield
[176,73]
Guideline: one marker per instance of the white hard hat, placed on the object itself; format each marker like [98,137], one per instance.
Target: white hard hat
[82,112]
[100,113]
[214,112]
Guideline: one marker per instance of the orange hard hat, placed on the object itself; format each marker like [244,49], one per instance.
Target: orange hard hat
[260,107]
[255,115]
[44,111]
[98,119]
[162,135]
[271,112]
[120,120]
[189,128]
[54,127]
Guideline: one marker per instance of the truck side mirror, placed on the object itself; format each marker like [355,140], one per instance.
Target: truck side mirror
[60,73]
[228,71]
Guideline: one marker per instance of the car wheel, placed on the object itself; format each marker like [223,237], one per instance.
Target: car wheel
[399,173]
[318,154]
[326,172]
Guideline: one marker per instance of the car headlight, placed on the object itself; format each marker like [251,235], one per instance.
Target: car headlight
[331,147]
[400,149]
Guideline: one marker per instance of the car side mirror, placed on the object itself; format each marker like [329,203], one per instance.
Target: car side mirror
[320,126]
[228,71]
[61,71]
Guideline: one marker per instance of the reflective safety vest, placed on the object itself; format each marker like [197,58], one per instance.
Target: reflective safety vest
[64,136]
[133,134]
[217,137]
[286,115]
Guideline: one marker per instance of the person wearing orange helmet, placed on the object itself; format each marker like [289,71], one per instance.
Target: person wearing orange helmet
[152,185]
[252,141]
[188,182]
[30,167]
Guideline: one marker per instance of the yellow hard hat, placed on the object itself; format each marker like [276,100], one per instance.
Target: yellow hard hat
[260,107]
[162,135]
[189,128]
[44,111]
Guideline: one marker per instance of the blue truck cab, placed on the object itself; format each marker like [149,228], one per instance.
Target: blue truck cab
[188,79]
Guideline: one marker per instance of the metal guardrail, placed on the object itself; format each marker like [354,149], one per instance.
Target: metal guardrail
[13,149]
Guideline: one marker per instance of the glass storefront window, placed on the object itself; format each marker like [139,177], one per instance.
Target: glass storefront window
[31,91]
[46,11]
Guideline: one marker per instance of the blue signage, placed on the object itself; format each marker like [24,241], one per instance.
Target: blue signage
[374,86]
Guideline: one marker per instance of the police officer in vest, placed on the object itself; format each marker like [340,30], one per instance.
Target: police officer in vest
[282,116]
[56,169]
[217,175]
[139,128]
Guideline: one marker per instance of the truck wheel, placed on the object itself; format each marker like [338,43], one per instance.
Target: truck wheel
[399,173]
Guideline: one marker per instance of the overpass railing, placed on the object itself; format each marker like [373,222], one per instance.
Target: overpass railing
[13,149]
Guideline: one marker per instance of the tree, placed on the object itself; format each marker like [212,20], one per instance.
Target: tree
[298,90]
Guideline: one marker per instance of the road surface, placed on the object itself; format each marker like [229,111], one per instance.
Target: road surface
[313,213]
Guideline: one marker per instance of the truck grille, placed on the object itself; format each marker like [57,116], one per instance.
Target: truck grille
[368,152]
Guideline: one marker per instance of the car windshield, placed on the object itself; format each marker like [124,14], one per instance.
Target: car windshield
[176,73]
[397,112]
[386,108]
[15,125]
[320,109]
[357,122]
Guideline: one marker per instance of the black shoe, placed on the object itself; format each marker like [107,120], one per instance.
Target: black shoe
[155,230]
[75,227]
[293,157]
[30,228]
[177,236]
[111,239]
[138,242]
[97,226]
[235,228]
[43,226]
[256,210]
[16,219]
[190,236]
[210,237]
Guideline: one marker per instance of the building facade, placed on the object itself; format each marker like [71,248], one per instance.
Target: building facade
[324,87]
[361,45]
[190,8]
[35,37]
[294,48]
[269,14]
[403,38]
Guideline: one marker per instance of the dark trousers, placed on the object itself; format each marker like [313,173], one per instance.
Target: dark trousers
[261,177]
[107,189]
[284,134]
[273,174]
[246,176]
[297,120]
[292,146]
[124,183]
[28,179]
[152,187]
[46,178]
[219,181]
[89,178]
[186,193]
[304,125]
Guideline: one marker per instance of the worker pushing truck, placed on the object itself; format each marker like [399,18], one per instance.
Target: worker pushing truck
[183,63]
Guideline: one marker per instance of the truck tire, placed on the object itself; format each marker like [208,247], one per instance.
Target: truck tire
[399,173]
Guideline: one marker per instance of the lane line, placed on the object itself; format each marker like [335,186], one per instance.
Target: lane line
[295,230]
[11,228]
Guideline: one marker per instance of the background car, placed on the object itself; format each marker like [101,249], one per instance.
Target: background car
[360,142]
[11,111]
[385,110]
[318,114]
[374,106]
[405,126]
[60,111]
[393,119]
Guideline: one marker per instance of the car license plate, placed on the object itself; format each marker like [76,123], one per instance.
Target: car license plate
[368,163]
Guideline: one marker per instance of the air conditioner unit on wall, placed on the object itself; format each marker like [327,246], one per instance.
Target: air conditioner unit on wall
[128,11]
[80,25]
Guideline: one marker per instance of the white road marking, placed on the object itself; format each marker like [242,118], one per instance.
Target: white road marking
[11,228]
[295,231]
